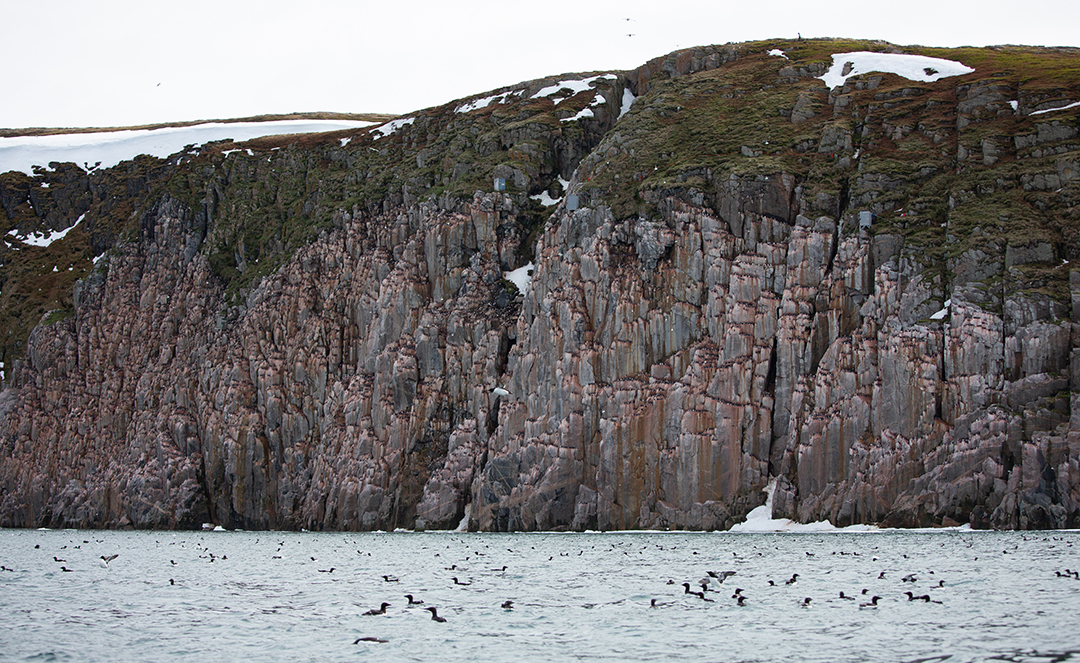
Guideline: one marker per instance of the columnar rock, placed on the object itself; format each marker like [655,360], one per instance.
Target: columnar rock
[715,314]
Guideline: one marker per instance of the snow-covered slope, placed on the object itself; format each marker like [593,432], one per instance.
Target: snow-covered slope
[112,147]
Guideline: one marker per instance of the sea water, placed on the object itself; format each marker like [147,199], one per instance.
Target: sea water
[298,596]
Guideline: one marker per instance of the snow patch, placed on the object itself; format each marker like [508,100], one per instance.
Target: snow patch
[345,141]
[521,277]
[392,126]
[584,112]
[778,53]
[463,526]
[940,315]
[22,153]
[43,240]
[628,100]
[545,199]
[574,86]
[1059,108]
[477,104]
[761,520]
[1015,105]
[912,67]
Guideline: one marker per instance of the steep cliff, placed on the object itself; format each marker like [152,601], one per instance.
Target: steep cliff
[864,291]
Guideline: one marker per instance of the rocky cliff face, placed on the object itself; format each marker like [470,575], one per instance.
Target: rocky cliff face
[317,333]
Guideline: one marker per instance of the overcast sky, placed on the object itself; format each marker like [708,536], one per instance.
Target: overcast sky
[123,62]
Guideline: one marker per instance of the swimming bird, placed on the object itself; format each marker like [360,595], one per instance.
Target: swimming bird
[66,569]
[329,570]
[458,582]
[413,601]
[806,602]
[435,616]
[849,598]
[509,605]
[742,600]
[57,559]
[381,610]
[738,592]
[871,604]
[700,595]
[390,579]
[794,577]
[924,597]
[368,639]
[881,576]
[909,578]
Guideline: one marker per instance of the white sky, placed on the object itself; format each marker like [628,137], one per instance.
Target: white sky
[122,62]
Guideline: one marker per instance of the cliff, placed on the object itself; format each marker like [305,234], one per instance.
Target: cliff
[864,291]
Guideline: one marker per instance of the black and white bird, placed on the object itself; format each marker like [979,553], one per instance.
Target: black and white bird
[381,610]
[435,616]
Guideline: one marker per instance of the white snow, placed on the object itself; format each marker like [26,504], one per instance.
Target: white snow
[628,100]
[345,141]
[477,104]
[521,277]
[778,53]
[761,520]
[545,199]
[392,126]
[41,239]
[1051,110]
[111,147]
[1015,105]
[940,315]
[574,86]
[584,112]
[912,67]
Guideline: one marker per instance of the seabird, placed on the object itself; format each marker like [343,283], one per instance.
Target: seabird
[458,582]
[509,605]
[389,578]
[700,595]
[871,604]
[849,598]
[66,569]
[413,601]
[368,639]
[380,611]
[329,570]
[909,578]
[924,597]
[806,602]
[434,615]
[105,560]
[794,577]
[742,600]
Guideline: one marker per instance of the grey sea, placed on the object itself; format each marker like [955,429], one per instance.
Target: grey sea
[299,596]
